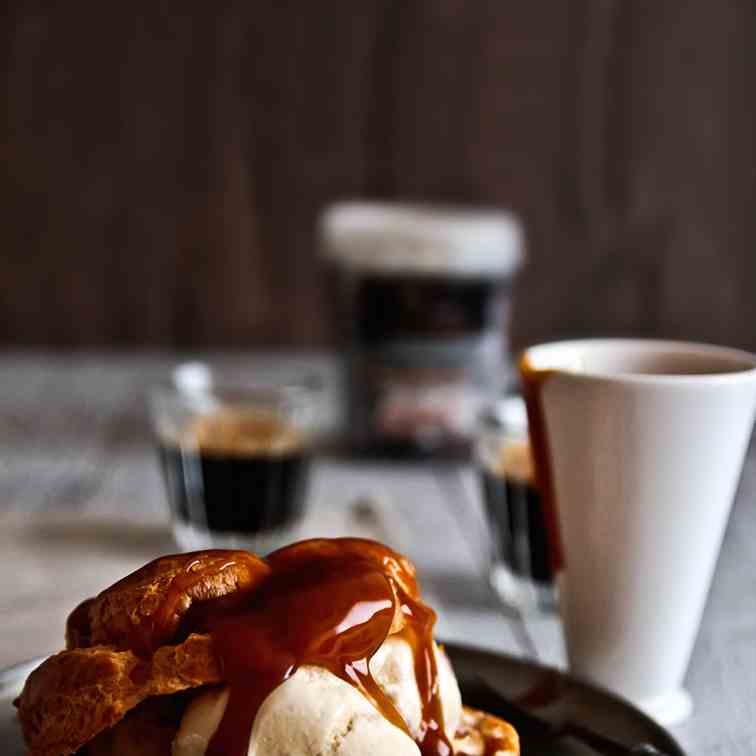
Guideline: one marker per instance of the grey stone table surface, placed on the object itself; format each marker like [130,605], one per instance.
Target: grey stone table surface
[82,503]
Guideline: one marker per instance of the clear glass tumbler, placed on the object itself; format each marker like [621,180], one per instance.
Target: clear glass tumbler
[235,454]
[520,568]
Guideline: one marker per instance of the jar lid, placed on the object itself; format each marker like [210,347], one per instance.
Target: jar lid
[391,238]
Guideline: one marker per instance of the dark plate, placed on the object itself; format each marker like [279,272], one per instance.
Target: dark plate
[556,697]
[541,690]
[11,682]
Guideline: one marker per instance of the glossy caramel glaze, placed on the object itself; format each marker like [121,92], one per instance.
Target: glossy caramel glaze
[156,604]
[209,618]
[330,603]
[325,602]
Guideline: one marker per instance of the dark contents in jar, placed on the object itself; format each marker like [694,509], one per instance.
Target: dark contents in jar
[424,353]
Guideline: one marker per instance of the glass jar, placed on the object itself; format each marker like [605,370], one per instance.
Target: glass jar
[422,303]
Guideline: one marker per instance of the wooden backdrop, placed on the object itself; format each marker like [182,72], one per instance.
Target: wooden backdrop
[164,161]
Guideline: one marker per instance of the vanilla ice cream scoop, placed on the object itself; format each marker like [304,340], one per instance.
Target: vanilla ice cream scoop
[393,668]
[315,713]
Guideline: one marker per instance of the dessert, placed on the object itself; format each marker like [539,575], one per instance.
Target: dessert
[323,647]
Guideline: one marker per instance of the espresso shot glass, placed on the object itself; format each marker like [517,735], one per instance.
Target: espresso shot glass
[520,569]
[235,455]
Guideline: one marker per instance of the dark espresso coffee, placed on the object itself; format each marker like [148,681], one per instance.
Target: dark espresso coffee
[236,472]
[514,509]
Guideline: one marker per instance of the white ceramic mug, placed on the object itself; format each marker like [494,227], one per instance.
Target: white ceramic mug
[644,445]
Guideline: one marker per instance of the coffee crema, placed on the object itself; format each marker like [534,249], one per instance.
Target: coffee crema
[232,432]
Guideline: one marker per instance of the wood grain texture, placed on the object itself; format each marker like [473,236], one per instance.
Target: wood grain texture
[164,163]
[80,486]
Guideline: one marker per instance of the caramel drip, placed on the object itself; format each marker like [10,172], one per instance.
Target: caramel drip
[544,692]
[419,634]
[242,433]
[327,603]
[533,380]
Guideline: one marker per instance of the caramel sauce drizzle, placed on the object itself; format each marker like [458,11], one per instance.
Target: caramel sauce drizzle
[325,602]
